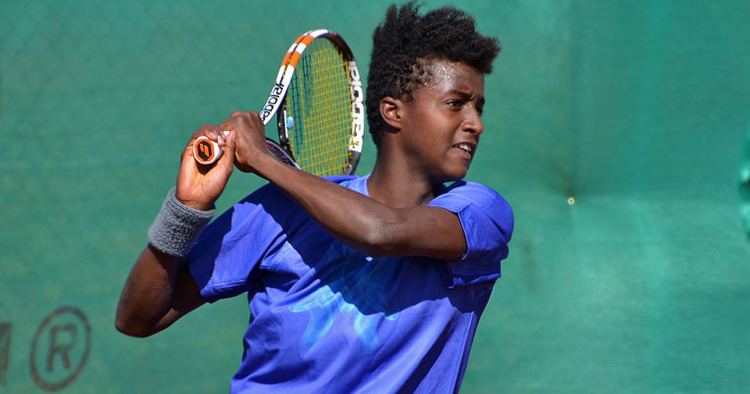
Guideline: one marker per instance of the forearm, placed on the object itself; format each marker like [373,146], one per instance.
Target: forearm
[355,219]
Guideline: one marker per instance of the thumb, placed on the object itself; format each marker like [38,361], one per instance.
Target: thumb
[229,146]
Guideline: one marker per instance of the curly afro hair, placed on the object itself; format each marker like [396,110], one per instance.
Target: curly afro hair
[405,43]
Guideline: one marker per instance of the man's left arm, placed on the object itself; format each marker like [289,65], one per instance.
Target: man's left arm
[357,220]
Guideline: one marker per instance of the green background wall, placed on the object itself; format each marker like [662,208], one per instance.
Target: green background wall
[614,128]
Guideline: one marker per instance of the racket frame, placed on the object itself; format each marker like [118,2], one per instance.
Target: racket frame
[276,104]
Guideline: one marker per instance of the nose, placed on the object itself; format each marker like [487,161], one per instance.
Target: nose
[473,122]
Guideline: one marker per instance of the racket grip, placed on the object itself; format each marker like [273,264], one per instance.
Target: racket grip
[206,151]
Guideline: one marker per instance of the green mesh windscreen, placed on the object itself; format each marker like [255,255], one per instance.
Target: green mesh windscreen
[616,129]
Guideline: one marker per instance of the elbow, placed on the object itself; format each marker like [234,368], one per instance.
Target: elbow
[131,328]
[377,242]
[133,331]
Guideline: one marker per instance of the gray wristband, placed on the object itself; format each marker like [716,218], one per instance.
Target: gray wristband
[177,226]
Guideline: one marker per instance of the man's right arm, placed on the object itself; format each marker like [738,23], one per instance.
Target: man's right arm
[158,291]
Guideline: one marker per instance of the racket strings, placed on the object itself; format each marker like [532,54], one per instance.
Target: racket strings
[319,106]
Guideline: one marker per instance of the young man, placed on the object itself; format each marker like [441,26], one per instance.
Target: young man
[355,284]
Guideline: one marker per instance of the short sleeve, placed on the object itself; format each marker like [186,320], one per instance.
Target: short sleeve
[232,246]
[487,222]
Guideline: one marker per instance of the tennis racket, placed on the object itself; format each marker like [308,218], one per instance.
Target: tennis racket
[319,106]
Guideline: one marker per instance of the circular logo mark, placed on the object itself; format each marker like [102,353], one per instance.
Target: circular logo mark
[60,348]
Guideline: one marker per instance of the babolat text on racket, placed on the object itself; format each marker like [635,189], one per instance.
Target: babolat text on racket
[319,106]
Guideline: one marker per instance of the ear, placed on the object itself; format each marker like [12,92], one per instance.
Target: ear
[391,110]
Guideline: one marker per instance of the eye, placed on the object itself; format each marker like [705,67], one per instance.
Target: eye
[454,103]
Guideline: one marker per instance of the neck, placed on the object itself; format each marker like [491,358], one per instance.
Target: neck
[396,184]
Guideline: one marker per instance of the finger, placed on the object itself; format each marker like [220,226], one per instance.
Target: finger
[213,135]
[204,130]
[228,146]
[223,136]
[227,125]
[228,138]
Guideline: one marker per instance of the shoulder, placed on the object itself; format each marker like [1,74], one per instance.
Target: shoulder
[475,194]
[477,206]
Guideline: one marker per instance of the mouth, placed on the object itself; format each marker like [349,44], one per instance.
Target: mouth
[466,149]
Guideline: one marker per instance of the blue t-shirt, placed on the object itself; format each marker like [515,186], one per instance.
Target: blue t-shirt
[328,318]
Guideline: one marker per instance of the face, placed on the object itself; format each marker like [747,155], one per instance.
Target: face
[442,124]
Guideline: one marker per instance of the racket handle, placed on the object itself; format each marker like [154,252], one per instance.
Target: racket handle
[206,151]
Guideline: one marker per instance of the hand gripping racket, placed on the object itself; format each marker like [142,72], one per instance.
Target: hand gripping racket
[319,105]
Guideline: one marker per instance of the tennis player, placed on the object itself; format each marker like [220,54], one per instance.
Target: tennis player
[355,284]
